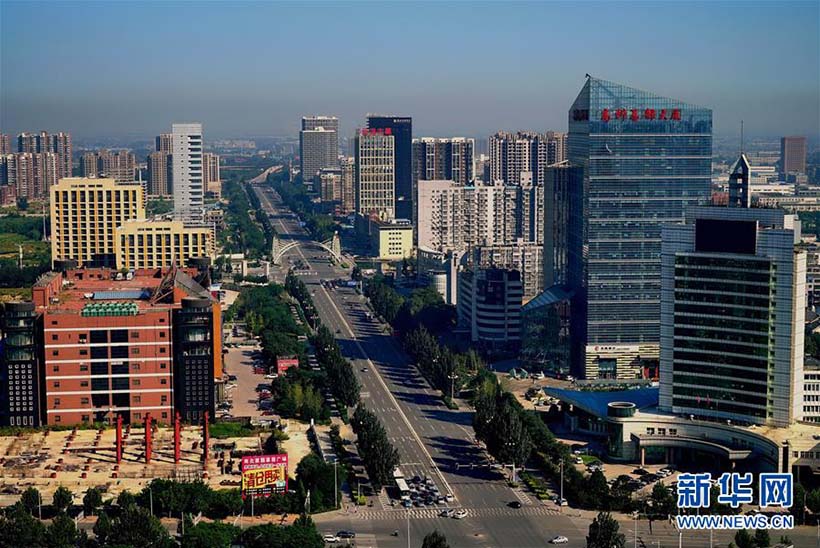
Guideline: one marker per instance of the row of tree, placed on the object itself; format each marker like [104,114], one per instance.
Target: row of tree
[267,314]
[341,380]
[423,308]
[446,370]
[379,456]
[136,526]
[243,234]
[299,291]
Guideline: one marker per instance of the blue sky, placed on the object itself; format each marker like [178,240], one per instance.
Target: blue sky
[459,68]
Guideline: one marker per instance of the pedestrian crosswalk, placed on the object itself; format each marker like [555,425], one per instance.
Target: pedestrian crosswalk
[434,513]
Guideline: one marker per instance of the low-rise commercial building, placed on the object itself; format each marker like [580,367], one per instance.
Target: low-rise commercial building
[391,240]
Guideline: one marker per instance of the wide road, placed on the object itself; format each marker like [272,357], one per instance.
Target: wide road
[431,439]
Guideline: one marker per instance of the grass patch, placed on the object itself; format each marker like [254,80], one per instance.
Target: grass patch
[222,430]
[15,293]
[589,459]
[449,403]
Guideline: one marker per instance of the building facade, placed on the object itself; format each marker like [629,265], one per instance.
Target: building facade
[489,306]
[645,159]
[401,128]
[43,142]
[318,149]
[436,159]
[793,154]
[158,244]
[375,174]
[733,305]
[187,176]
[159,174]
[19,366]
[212,180]
[108,346]
[120,165]
[85,214]
[512,154]
[347,166]
[391,240]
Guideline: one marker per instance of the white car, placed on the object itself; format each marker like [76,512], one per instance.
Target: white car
[559,540]
[330,538]
[449,498]
[461,514]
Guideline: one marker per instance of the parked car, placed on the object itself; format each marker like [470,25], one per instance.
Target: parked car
[346,534]
[460,514]
[514,504]
[560,539]
[329,538]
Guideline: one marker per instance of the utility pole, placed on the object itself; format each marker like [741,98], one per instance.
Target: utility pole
[635,522]
[561,489]
[151,499]
[335,485]
[407,513]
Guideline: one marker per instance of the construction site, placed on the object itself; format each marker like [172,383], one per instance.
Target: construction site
[123,458]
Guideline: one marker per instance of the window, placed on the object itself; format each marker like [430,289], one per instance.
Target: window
[57,352]
[54,337]
[135,350]
[84,401]
[136,382]
[84,352]
[163,381]
[56,384]
[56,402]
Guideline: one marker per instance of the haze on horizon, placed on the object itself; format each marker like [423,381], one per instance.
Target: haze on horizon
[243,69]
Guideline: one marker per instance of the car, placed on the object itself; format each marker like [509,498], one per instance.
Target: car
[560,539]
[329,538]
[561,502]
[440,499]
[338,331]
[449,498]
[407,503]
[418,502]
[579,460]
[514,504]
[231,377]
[346,534]
[365,370]
[448,513]
[640,471]
[416,479]
[460,514]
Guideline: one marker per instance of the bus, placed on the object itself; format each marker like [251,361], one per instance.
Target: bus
[401,484]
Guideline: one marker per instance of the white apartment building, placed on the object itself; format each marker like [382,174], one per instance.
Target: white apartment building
[187,179]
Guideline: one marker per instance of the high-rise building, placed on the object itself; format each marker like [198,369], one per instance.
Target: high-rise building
[401,128]
[159,174]
[440,225]
[328,182]
[437,159]
[527,258]
[317,150]
[5,144]
[793,154]
[561,180]
[19,366]
[733,305]
[314,122]
[375,174]
[58,143]
[189,193]
[164,142]
[212,181]
[489,305]
[347,166]
[512,154]
[85,214]
[645,159]
[120,165]
[31,173]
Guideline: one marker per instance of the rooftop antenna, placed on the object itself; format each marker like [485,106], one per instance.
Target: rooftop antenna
[741,137]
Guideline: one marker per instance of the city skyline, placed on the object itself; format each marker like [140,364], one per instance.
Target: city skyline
[473,90]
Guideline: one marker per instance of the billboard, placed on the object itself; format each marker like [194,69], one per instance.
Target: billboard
[264,475]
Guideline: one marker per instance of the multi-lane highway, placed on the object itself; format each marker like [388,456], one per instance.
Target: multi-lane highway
[431,439]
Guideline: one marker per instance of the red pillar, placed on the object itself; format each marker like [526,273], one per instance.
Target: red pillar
[205,438]
[119,439]
[148,435]
[177,440]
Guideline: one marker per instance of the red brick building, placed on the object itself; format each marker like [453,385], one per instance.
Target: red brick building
[108,346]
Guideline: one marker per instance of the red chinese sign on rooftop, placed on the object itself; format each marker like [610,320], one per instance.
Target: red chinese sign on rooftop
[377,131]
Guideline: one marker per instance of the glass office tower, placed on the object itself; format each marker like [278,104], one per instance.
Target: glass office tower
[645,159]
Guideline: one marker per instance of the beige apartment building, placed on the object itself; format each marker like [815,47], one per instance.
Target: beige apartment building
[157,244]
[84,215]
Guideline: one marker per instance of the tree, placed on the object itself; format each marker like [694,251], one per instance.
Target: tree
[663,502]
[210,535]
[126,499]
[102,529]
[598,490]
[435,540]
[744,539]
[62,533]
[603,533]
[19,528]
[762,539]
[63,498]
[136,526]
[31,499]
[92,500]
[798,510]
